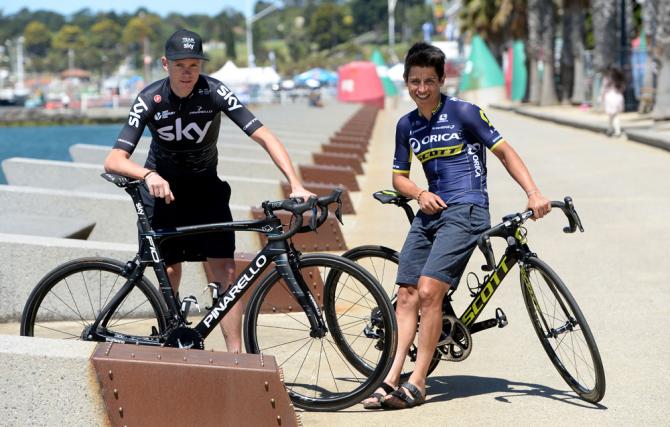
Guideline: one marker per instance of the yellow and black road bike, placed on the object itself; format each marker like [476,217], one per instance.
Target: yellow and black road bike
[557,319]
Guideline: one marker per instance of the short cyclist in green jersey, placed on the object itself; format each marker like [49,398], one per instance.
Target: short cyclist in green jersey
[183,113]
[448,136]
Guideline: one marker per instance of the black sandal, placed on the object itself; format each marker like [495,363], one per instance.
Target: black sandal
[377,404]
[399,399]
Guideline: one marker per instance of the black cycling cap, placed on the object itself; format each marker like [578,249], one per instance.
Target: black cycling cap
[184,44]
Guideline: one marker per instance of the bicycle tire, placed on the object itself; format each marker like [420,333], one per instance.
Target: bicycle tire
[553,311]
[382,263]
[70,297]
[273,307]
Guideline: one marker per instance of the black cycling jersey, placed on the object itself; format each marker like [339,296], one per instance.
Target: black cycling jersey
[184,130]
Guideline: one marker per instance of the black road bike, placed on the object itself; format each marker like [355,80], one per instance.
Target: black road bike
[314,313]
[557,319]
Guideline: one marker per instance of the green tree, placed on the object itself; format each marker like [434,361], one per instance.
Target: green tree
[69,40]
[37,39]
[105,36]
[370,15]
[143,35]
[328,26]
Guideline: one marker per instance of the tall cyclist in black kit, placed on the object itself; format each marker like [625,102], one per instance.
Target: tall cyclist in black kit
[183,113]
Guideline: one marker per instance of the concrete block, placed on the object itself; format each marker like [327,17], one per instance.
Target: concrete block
[49,382]
[113,215]
[86,177]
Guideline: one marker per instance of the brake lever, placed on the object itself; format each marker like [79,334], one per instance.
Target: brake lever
[313,219]
[338,211]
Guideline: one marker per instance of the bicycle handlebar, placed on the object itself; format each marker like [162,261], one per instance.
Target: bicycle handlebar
[298,207]
[512,222]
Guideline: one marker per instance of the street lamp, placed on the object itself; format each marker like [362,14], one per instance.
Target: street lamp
[391,9]
[251,59]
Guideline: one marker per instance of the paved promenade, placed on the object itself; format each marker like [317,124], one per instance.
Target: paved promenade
[615,270]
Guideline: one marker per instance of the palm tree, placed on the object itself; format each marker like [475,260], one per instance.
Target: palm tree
[572,55]
[548,10]
[649,21]
[534,40]
[662,52]
[541,32]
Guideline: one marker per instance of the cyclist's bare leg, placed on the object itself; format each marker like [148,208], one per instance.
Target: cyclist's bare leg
[407,308]
[431,292]
[222,270]
[174,275]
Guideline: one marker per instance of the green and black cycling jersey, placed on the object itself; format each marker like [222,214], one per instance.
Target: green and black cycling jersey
[450,146]
[184,130]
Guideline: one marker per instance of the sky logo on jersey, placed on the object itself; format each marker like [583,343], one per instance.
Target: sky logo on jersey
[138,108]
[168,134]
[227,94]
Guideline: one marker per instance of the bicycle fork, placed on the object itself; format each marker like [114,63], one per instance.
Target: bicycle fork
[289,269]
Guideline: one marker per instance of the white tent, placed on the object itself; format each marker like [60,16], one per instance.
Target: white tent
[231,75]
[395,72]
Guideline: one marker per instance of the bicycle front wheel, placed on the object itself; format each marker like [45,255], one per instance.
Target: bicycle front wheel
[382,263]
[562,330]
[67,301]
[317,373]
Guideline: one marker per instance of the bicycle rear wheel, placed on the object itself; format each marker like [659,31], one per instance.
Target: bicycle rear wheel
[317,373]
[562,330]
[66,302]
[382,263]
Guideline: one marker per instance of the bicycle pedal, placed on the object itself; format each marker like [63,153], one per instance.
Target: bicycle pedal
[501,318]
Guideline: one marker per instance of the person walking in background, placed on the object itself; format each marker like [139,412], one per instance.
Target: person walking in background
[611,98]
[183,113]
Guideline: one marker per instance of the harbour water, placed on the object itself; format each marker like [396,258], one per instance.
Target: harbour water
[52,142]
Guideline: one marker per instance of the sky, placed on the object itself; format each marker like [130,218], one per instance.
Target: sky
[161,7]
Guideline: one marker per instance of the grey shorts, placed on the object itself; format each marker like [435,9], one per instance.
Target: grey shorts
[439,246]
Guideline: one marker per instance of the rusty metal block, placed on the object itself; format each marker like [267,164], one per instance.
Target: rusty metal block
[350,139]
[335,175]
[154,386]
[346,149]
[328,237]
[339,159]
[323,190]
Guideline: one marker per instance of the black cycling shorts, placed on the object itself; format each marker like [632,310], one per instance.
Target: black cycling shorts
[198,200]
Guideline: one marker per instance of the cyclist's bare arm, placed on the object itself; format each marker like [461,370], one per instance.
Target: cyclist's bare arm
[517,169]
[266,139]
[429,203]
[118,161]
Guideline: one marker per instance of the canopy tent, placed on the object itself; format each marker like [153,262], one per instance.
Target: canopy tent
[359,82]
[316,77]
[232,75]
[382,72]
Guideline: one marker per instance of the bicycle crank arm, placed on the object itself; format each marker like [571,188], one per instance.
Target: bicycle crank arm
[500,321]
[484,324]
